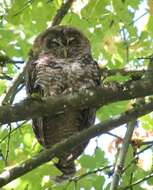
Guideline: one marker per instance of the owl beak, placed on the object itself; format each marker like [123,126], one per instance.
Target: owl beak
[65,52]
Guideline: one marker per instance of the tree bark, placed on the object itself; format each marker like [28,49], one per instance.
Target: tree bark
[34,107]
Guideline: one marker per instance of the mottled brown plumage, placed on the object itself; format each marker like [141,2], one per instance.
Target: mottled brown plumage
[61,63]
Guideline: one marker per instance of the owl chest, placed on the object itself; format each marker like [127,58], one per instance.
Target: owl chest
[63,77]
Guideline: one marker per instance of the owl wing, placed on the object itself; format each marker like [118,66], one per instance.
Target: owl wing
[30,76]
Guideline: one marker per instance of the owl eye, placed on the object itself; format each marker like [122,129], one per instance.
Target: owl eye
[52,43]
[71,40]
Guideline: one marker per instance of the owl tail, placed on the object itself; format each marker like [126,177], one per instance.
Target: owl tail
[67,168]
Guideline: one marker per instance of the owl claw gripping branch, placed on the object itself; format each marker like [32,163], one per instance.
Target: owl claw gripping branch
[61,63]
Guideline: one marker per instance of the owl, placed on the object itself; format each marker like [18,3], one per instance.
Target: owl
[60,63]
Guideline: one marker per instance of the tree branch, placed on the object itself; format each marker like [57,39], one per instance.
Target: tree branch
[34,107]
[105,72]
[12,89]
[122,156]
[62,12]
[77,178]
[133,161]
[5,77]
[137,182]
[93,131]
[5,59]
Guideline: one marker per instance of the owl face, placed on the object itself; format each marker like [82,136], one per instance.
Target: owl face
[62,42]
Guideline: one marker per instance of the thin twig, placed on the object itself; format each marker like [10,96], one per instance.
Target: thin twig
[4,59]
[15,92]
[5,77]
[137,182]
[146,143]
[18,79]
[138,18]
[77,178]
[8,145]
[136,156]
[27,4]
[122,155]
[113,135]
[12,131]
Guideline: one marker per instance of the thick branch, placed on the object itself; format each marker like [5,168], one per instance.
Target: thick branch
[124,72]
[45,156]
[34,107]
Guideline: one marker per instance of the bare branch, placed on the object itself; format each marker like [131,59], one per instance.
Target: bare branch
[5,59]
[93,131]
[132,73]
[8,145]
[134,21]
[122,156]
[12,131]
[114,135]
[5,77]
[25,5]
[16,82]
[137,182]
[134,160]
[77,178]
[62,12]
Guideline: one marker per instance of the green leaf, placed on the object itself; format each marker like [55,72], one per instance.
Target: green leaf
[140,173]
[87,162]
[137,187]
[99,158]
[85,183]
[147,122]
[107,112]
[98,182]
[94,8]
[150,25]
[150,181]
[122,11]
[134,3]
[2,87]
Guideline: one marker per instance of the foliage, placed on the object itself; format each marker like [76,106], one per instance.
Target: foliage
[118,41]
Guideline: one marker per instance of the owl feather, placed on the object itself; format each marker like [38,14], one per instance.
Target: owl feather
[61,64]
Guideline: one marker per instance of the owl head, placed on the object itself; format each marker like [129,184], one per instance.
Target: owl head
[61,42]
